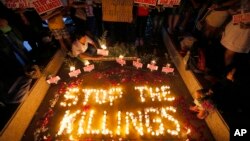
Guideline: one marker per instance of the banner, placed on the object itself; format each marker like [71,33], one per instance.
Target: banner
[43,6]
[169,3]
[117,10]
[147,2]
[13,4]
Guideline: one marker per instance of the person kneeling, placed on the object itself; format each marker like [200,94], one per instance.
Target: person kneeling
[85,48]
[203,103]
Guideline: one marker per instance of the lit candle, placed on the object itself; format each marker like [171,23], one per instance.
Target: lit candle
[152,66]
[74,73]
[53,80]
[137,63]
[120,60]
[167,69]
[103,51]
[88,67]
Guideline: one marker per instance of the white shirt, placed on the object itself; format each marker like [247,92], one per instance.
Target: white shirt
[78,48]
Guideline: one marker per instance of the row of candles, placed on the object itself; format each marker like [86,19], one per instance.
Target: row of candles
[89,67]
[102,96]
[151,121]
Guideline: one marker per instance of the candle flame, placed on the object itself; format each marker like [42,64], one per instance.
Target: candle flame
[103,46]
[86,63]
[121,56]
[72,68]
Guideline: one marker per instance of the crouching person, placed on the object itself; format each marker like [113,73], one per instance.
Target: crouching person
[85,48]
[203,103]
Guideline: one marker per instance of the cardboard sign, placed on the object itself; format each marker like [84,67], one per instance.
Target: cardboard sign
[146,2]
[102,52]
[117,10]
[152,67]
[121,61]
[238,18]
[43,6]
[13,4]
[74,73]
[88,68]
[137,64]
[53,80]
[169,3]
[167,69]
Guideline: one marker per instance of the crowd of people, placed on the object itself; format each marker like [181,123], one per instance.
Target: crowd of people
[225,45]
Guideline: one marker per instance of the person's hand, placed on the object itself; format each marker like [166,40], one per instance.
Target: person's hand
[99,57]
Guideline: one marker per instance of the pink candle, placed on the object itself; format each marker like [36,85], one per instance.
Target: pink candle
[167,69]
[120,60]
[137,64]
[102,52]
[88,68]
[53,80]
[152,67]
[74,73]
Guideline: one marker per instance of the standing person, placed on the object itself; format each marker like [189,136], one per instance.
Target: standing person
[91,21]
[236,37]
[58,28]
[217,17]
[31,28]
[78,14]
[15,41]
[141,22]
